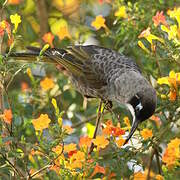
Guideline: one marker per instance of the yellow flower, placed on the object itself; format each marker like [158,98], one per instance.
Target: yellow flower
[146,133]
[41,123]
[29,73]
[150,37]
[15,19]
[47,84]
[175,14]
[172,31]
[143,47]
[173,80]
[63,33]
[121,12]
[54,103]
[69,147]
[100,142]
[126,122]
[58,149]
[98,22]
[68,129]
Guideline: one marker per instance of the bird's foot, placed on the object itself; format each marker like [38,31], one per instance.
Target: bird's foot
[108,105]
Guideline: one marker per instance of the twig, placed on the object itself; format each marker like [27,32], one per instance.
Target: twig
[13,167]
[97,125]
[42,16]
[158,65]
[12,78]
[158,161]
[90,119]
[50,164]
[150,163]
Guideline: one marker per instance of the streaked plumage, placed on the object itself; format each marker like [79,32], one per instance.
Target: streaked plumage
[100,72]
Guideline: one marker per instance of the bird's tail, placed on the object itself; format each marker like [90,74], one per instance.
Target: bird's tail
[32,55]
[71,58]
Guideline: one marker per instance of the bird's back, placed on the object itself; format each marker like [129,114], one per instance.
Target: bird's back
[106,73]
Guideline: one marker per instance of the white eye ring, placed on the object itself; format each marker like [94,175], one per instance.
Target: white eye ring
[139,107]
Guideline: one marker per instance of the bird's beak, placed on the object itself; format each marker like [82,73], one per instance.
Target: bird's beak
[134,127]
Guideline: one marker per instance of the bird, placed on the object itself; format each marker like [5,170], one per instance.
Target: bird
[99,72]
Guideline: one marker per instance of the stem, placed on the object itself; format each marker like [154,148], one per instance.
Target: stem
[158,161]
[13,167]
[150,163]
[42,16]
[97,125]
[50,164]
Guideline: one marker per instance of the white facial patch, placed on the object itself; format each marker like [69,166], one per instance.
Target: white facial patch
[139,107]
[131,109]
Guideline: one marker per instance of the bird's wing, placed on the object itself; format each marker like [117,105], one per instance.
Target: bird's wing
[77,61]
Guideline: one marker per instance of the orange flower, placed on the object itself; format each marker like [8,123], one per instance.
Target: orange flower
[172,153]
[159,18]
[99,22]
[143,175]
[139,176]
[13,2]
[63,33]
[102,1]
[24,86]
[120,142]
[98,169]
[173,80]
[159,177]
[47,84]
[146,133]
[85,142]
[77,160]
[8,116]
[5,27]
[58,149]
[112,130]
[68,129]
[70,147]
[156,119]
[172,95]
[100,142]
[41,123]
[48,38]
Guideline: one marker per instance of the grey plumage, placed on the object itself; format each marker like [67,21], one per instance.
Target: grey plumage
[100,72]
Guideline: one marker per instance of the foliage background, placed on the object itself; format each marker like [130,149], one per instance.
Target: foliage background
[27,152]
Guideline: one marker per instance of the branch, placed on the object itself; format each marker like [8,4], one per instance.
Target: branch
[50,164]
[98,120]
[158,161]
[42,16]
[91,118]
[18,172]
[150,163]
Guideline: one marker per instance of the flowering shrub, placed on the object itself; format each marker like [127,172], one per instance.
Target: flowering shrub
[47,127]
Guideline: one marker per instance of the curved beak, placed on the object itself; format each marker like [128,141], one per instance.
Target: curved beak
[133,129]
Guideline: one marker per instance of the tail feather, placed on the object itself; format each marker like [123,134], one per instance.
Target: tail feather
[73,59]
[30,56]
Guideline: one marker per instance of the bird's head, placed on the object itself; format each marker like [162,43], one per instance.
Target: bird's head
[142,106]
